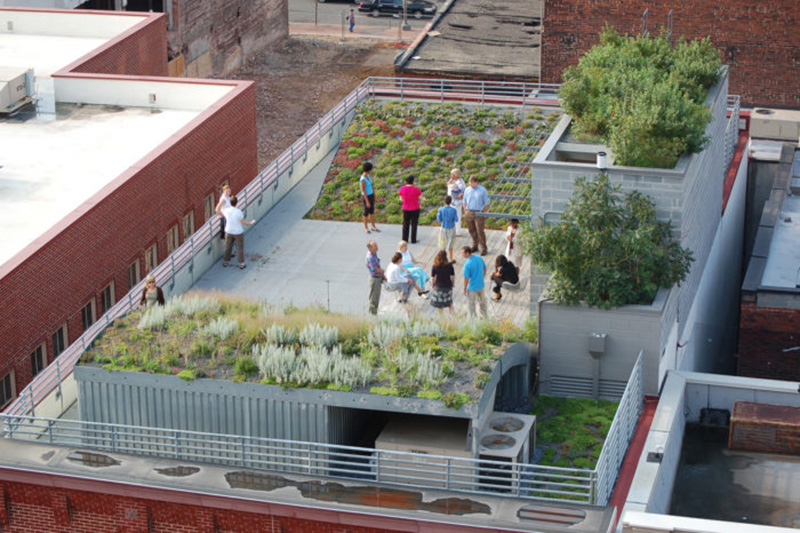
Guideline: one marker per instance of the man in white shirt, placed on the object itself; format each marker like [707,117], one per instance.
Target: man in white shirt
[234,231]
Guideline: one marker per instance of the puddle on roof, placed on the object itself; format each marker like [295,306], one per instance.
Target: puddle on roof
[178,471]
[91,459]
[358,495]
[49,455]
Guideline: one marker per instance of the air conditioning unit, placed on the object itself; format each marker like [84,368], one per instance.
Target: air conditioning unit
[16,88]
[509,439]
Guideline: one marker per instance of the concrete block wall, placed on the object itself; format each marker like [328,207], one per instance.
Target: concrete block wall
[217,36]
[763,74]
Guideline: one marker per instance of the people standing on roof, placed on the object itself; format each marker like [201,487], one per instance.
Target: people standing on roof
[376,276]
[476,200]
[444,276]
[351,18]
[513,249]
[368,197]
[448,216]
[152,294]
[455,189]
[234,231]
[224,201]
[474,274]
[411,196]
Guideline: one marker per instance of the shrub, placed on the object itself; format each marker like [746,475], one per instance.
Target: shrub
[186,375]
[245,366]
[608,249]
[454,400]
[642,97]
[221,327]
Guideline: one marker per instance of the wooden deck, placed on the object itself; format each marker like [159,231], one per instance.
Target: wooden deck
[514,306]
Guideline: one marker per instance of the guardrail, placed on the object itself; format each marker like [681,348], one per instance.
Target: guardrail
[473,92]
[732,127]
[620,434]
[407,469]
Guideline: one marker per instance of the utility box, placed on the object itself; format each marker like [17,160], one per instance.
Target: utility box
[15,88]
[762,427]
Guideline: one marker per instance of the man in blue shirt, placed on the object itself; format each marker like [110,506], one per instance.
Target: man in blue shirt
[448,216]
[474,273]
[476,200]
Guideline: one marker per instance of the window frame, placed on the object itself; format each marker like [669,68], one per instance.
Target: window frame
[64,330]
[209,206]
[109,302]
[38,355]
[135,269]
[173,238]
[151,258]
[188,225]
[9,380]
[92,306]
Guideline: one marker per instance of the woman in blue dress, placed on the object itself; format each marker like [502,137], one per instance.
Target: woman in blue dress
[419,274]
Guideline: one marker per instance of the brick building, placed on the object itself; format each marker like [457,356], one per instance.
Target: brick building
[760,41]
[111,172]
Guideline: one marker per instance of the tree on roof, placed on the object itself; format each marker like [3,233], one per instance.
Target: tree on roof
[608,249]
[642,97]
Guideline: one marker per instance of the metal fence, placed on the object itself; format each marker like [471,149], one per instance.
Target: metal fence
[472,92]
[408,469]
[620,433]
[732,127]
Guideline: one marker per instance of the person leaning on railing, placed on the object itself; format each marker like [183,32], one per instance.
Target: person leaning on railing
[152,294]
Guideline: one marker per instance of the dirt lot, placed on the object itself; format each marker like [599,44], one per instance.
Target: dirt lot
[299,80]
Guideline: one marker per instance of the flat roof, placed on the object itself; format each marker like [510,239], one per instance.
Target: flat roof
[45,54]
[783,261]
[477,38]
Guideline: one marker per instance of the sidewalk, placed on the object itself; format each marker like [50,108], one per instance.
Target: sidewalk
[337,32]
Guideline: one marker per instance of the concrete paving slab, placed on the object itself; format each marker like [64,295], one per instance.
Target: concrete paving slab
[310,262]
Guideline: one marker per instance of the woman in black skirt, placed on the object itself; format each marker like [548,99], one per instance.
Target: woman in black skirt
[444,276]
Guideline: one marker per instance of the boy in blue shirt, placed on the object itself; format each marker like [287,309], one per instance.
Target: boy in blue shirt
[474,273]
[448,216]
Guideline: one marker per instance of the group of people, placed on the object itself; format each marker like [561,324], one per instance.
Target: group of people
[404,275]
[233,223]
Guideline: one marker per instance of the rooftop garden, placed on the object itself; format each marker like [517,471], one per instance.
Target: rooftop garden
[608,249]
[403,138]
[643,96]
[213,336]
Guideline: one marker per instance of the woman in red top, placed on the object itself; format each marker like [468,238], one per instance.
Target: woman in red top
[411,196]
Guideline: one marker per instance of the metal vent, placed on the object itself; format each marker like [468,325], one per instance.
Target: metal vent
[543,515]
[571,386]
[611,389]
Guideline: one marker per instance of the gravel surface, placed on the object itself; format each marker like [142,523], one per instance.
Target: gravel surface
[299,80]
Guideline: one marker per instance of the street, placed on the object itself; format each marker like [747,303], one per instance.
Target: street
[303,11]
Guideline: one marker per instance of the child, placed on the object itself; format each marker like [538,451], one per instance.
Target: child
[448,216]
[513,251]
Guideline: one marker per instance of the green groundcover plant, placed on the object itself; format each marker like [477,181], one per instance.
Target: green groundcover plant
[608,249]
[403,138]
[643,97]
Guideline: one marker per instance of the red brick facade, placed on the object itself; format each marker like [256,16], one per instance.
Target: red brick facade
[42,504]
[50,281]
[765,335]
[759,40]
[141,51]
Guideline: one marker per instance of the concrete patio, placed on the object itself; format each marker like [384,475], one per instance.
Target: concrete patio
[310,262]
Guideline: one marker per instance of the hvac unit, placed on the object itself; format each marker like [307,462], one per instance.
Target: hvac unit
[509,439]
[16,88]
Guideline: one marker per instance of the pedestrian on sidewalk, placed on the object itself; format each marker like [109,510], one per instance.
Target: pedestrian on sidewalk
[476,200]
[474,274]
[376,276]
[351,18]
[234,231]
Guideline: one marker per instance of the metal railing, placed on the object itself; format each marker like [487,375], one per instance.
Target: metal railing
[620,433]
[408,469]
[472,92]
[732,128]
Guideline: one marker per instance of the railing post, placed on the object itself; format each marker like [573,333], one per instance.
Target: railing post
[50,431]
[447,475]
[308,458]
[113,437]
[177,439]
[242,451]
[377,466]
[30,400]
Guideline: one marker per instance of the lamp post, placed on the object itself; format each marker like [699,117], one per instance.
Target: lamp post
[406,25]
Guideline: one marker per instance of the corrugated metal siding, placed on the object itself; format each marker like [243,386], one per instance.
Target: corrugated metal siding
[345,425]
[141,405]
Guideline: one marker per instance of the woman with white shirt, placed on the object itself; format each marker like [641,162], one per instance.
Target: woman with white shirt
[399,279]
[455,189]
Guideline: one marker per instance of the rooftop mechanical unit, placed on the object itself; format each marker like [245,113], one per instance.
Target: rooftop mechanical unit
[16,88]
[505,438]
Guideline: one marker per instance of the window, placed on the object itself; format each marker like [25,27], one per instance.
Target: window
[208,206]
[151,258]
[188,225]
[173,239]
[38,359]
[88,315]
[107,297]
[7,389]
[133,274]
[60,340]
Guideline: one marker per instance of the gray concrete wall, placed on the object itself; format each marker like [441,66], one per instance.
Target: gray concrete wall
[564,346]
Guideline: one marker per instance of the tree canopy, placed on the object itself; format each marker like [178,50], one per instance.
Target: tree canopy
[642,97]
[608,249]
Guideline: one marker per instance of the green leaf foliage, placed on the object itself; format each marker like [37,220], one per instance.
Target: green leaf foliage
[608,249]
[643,98]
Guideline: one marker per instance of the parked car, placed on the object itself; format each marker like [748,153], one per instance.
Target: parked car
[414,8]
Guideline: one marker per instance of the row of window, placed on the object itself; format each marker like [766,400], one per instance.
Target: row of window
[38,357]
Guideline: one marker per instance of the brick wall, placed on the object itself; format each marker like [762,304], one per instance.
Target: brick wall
[764,334]
[758,40]
[48,284]
[224,33]
[36,505]
[140,51]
